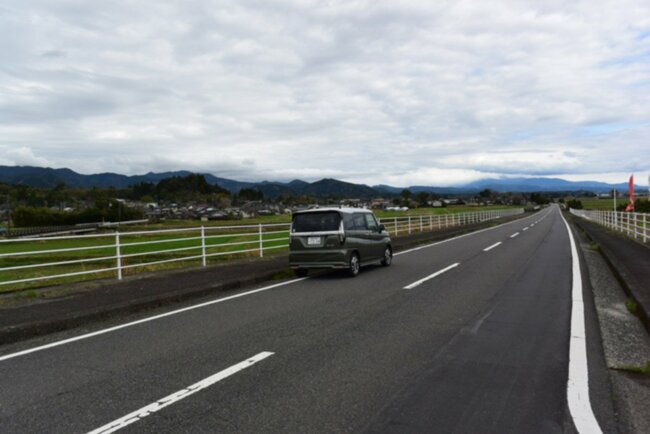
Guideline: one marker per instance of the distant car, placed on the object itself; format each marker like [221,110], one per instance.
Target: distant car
[337,238]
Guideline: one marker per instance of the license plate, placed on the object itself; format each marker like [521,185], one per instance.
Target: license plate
[311,241]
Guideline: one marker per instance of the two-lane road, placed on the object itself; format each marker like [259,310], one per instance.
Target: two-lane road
[471,334]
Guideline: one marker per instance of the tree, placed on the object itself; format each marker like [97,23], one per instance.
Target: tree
[574,203]
[250,194]
[422,198]
[539,199]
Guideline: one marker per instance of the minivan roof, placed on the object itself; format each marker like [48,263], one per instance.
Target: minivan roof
[343,210]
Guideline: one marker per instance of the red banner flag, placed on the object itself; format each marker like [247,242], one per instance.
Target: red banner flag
[630,207]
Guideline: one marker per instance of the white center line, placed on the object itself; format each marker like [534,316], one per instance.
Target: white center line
[431,276]
[514,235]
[177,396]
[525,229]
[487,249]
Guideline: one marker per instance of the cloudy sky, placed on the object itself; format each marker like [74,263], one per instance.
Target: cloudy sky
[395,92]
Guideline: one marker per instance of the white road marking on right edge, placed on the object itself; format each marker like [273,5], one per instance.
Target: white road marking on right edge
[177,396]
[431,276]
[578,382]
[514,235]
[487,249]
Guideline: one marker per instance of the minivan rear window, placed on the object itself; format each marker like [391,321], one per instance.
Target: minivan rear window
[316,221]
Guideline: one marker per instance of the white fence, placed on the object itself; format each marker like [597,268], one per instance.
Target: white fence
[78,257]
[633,224]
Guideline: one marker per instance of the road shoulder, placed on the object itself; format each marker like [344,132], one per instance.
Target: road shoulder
[618,342]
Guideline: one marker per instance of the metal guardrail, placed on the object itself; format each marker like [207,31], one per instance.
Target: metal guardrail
[633,224]
[43,259]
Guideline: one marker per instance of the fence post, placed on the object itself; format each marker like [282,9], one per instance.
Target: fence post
[421,228]
[635,223]
[645,229]
[203,257]
[118,255]
[446,220]
[439,217]
[395,222]
[430,222]
[409,224]
[261,240]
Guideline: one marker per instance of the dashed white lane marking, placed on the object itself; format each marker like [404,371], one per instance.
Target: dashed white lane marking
[460,236]
[525,229]
[578,382]
[140,321]
[487,249]
[431,276]
[514,235]
[177,396]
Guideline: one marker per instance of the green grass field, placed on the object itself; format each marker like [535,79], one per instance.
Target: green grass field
[594,203]
[220,243]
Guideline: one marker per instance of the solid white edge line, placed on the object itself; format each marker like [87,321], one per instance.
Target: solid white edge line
[459,236]
[487,249]
[514,235]
[143,320]
[578,382]
[177,396]
[431,276]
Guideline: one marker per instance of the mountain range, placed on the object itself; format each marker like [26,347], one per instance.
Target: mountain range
[45,177]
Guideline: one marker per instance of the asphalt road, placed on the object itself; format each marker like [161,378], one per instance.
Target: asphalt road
[480,347]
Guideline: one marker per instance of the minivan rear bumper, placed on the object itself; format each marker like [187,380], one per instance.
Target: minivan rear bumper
[319,258]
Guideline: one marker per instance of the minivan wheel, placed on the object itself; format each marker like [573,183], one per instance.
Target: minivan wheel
[301,272]
[388,257]
[354,265]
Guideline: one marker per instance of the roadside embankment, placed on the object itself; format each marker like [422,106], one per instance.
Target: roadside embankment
[629,260]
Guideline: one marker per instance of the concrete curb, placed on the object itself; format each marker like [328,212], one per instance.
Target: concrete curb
[614,264]
[37,328]
[26,330]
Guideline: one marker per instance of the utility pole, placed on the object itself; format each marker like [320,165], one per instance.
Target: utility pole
[615,215]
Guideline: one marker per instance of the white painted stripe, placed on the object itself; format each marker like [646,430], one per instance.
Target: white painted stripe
[144,320]
[426,246]
[431,276]
[487,249]
[514,235]
[177,396]
[525,229]
[578,382]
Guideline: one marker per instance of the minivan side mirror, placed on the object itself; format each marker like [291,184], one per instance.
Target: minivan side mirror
[382,228]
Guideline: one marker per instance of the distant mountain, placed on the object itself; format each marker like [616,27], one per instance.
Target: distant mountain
[47,178]
[328,187]
[527,185]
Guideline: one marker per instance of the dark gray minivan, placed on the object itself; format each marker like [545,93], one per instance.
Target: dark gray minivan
[337,238]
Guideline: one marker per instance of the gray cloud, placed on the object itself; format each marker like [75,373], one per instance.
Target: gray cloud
[376,92]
